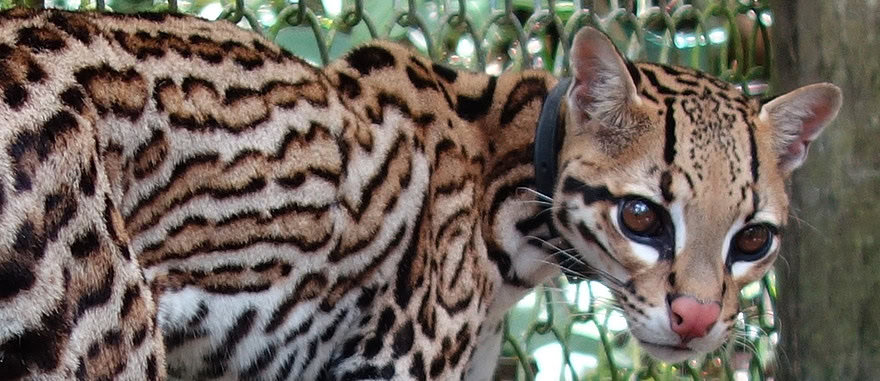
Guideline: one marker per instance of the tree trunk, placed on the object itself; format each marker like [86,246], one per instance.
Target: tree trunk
[829,302]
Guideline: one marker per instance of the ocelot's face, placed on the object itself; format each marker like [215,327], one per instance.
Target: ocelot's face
[676,240]
[671,188]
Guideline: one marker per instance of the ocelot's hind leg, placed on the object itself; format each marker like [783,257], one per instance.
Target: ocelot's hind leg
[73,301]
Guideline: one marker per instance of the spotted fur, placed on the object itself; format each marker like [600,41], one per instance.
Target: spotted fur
[181,199]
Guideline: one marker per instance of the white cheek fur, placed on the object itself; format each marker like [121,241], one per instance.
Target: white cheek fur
[647,254]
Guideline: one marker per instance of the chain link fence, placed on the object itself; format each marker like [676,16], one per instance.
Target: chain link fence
[566,330]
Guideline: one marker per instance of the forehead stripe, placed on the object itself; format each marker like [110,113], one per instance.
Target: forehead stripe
[669,150]
[591,194]
[753,147]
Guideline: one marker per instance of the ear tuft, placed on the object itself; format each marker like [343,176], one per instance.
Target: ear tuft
[797,118]
[603,86]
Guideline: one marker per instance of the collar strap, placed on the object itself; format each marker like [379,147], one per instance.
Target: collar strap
[546,150]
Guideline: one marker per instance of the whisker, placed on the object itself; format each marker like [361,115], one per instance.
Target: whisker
[547,243]
[539,202]
[761,331]
[536,193]
[784,260]
[741,337]
[800,221]
[609,280]
[747,344]
[549,209]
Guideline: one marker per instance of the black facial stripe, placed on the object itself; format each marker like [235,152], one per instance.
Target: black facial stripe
[755,204]
[669,149]
[665,185]
[563,217]
[753,148]
[572,185]
[590,193]
[588,236]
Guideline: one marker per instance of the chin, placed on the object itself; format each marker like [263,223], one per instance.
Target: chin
[668,353]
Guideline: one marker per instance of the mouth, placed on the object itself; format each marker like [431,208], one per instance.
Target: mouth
[666,352]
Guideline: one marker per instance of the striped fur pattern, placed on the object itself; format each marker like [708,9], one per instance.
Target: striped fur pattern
[181,199]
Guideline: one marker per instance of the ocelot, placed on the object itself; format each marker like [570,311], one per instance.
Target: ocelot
[182,199]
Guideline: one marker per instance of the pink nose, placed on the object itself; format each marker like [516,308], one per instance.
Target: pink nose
[690,318]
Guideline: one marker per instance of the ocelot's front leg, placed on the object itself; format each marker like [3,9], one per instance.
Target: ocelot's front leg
[73,301]
[485,358]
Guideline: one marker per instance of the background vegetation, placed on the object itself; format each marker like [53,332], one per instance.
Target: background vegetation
[829,280]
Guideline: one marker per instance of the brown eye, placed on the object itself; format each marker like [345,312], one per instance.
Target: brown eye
[753,239]
[640,217]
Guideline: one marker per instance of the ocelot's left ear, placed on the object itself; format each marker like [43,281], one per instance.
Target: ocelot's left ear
[797,118]
[603,86]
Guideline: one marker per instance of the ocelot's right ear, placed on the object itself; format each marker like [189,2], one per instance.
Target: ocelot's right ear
[797,118]
[603,87]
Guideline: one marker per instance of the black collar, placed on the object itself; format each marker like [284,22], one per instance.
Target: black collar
[546,150]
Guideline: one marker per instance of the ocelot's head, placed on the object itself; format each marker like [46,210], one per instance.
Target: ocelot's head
[671,185]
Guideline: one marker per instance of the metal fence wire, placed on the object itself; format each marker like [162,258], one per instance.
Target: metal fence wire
[566,330]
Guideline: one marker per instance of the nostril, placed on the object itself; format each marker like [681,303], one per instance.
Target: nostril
[677,319]
[690,318]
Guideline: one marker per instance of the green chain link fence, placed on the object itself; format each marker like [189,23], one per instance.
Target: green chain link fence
[563,330]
